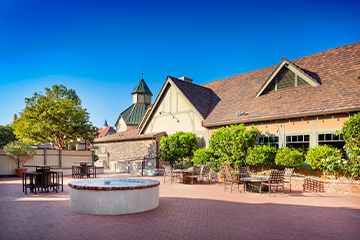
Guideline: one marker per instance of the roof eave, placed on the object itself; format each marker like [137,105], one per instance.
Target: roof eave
[132,138]
[280,117]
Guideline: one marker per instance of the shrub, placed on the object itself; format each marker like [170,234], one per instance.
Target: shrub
[287,157]
[230,143]
[354,164]
[261,155]
[206,156]
[351,135]
[19,151]
[333,165]
[176,147]
[316,156]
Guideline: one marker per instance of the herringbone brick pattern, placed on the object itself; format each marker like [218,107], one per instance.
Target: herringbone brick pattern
[185,212]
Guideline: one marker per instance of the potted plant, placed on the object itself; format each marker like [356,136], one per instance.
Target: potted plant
[20,152]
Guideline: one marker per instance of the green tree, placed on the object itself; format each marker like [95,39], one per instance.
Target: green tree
[56,116]
[261,155]
[287,157]
[176,147]
[19,151]
[231,143]
[206,156]
[6,135]
[351,135]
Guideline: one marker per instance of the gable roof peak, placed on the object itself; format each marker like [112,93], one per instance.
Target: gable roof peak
[142,87]
[285,63]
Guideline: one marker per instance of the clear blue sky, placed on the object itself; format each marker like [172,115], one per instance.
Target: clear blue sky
[99,48]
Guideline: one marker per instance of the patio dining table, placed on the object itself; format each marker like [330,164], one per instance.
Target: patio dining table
[254,184]
[44,178]
[183,175]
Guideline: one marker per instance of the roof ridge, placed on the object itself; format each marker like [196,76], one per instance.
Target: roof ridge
[292,61]
[325,51]
[202,86]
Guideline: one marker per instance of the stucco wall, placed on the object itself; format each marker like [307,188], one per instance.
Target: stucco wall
[121,125]
[175,113]
[115,155]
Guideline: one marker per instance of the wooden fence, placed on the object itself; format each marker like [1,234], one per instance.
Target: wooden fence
[61,158]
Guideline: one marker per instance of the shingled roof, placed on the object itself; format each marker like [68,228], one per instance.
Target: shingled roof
[202,98]
[337,70]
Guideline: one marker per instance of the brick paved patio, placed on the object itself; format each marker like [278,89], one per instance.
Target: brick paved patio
[185,212]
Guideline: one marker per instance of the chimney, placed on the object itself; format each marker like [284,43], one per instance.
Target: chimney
[186,79]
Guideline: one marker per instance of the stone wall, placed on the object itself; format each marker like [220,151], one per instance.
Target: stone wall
[347,187]
[331,186]
[116,155]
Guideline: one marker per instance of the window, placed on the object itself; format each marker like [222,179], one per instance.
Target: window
[298,141]
[268,139]
[331,140]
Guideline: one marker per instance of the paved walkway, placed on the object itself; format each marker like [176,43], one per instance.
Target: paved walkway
[185,212]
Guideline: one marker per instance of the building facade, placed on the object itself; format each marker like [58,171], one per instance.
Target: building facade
[298,103]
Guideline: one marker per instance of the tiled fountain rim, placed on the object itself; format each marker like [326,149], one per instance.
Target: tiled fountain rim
[147,184]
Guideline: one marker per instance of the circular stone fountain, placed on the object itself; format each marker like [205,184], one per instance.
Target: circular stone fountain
[113,196]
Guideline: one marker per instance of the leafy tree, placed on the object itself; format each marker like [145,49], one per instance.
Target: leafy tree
[56,116]
[176,147]
[19,151]
[206,156]
[6,135]
[287,157]
[317,156]
[351,135]
[231,143]
[261,155]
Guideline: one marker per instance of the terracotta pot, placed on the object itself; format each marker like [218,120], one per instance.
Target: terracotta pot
[19,171]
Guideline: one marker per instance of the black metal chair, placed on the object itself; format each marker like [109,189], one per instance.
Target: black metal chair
[75,171]
[43,179]
[91,171]
[84,170]
[29,181]
[55,183]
